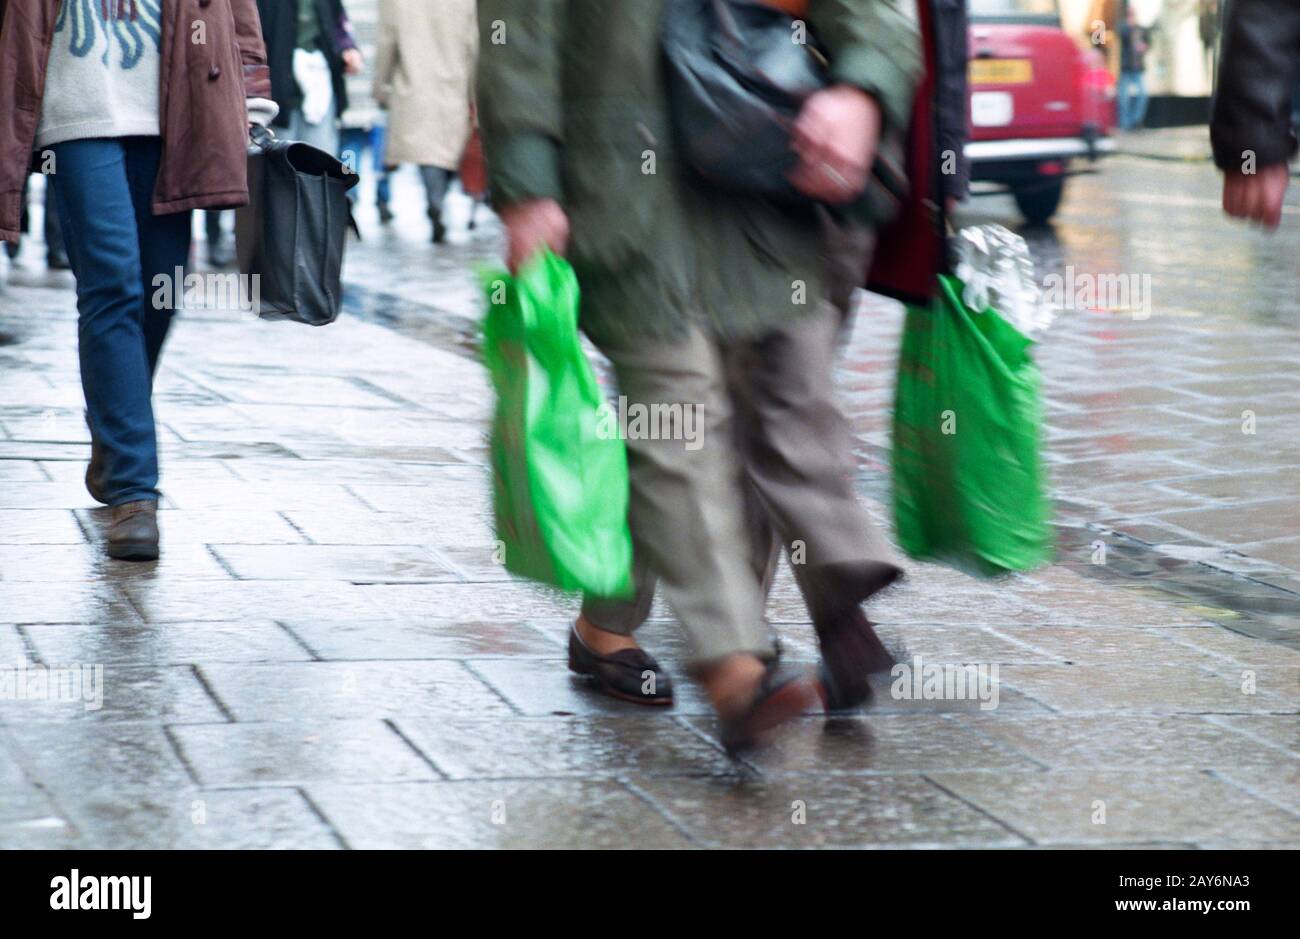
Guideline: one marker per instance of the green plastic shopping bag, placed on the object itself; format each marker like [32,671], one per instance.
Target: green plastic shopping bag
[969,486]
[559,484]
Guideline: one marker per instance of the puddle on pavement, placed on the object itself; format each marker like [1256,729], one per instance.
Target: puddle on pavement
[1234,600]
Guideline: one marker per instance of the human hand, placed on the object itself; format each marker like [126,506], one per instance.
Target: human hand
[1257,197]
[835,138]
[532,226]
[353,61]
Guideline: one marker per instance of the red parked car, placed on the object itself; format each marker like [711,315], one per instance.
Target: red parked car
[1038,101]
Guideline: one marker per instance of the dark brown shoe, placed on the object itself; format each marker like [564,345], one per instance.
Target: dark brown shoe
[851,651]
[95,471]
[629,675]
[133,534]
[784,694]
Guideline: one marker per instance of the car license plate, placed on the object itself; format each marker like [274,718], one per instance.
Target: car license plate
[991,108]
[1001,72]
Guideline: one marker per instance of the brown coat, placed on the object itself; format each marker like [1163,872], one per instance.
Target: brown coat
[202,100]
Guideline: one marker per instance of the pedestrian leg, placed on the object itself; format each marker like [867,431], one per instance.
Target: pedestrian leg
[164,244]
[98,218]
[436,182]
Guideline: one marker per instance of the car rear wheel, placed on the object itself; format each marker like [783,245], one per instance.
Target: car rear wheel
[1039,200]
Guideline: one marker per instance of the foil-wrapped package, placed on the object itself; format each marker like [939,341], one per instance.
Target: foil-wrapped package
[997,270]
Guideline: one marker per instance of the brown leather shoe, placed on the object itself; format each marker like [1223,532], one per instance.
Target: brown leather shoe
[95,471]
[133,534]
[784,694]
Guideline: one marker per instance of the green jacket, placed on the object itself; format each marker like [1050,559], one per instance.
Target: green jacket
[573,107]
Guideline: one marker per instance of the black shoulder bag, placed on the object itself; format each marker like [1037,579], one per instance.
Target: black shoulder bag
[737,79]
[292,233]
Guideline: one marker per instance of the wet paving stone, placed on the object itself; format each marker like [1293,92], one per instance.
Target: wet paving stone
[12,649]
[961,644]
[45,495]
[1155,805]
[1279,786]
[840,812]
[1112,741]
[210,526]
[200,494]
[21,471]
[1150,688]
[391,528]
[86,563]
[1281,730]
[25,602]
[1266,519]
[577,747]
[420,639]
[293,752]
[357,564]
[39,526]
[79,692]
[351,690]
[166,643]
[914,602]
[71,758]
[553,814]
[1285,551]
[458,493]
[876,743]
[343,472]
[1125,606]
[232,600]
[158,818]
[1109,645]
[512,601]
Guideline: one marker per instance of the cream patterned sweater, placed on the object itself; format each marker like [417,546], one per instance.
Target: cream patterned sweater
[103,75]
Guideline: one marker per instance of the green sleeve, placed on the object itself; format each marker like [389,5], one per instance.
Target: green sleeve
[875,46]
[520,97]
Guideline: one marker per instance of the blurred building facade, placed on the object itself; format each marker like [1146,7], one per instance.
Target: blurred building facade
[1181,62]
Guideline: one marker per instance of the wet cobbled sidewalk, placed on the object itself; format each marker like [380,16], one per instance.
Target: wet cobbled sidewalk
[328,655]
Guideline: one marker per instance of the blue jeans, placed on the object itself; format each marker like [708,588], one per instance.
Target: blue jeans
[1132,100]
[116,246]
[353,143]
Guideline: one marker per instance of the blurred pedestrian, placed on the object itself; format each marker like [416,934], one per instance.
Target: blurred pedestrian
[1251,128]
[107,91]
[695,295]
[426,55]
[221,251]
[363,125]
[56,258]
[309,50]
[1135,40]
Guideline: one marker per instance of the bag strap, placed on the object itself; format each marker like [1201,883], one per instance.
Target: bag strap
[262,136]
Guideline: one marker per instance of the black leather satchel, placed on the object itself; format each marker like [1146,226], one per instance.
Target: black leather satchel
[291,236]
[737,78]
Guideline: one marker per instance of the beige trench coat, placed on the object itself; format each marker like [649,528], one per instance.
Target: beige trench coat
[425,58]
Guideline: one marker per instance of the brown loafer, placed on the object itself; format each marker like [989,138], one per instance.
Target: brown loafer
[784,694]
[629,674]
[133,533]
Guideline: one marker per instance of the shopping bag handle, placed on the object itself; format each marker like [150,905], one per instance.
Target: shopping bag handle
[262,136]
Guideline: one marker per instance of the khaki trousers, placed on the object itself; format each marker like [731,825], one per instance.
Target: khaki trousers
[772,466]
